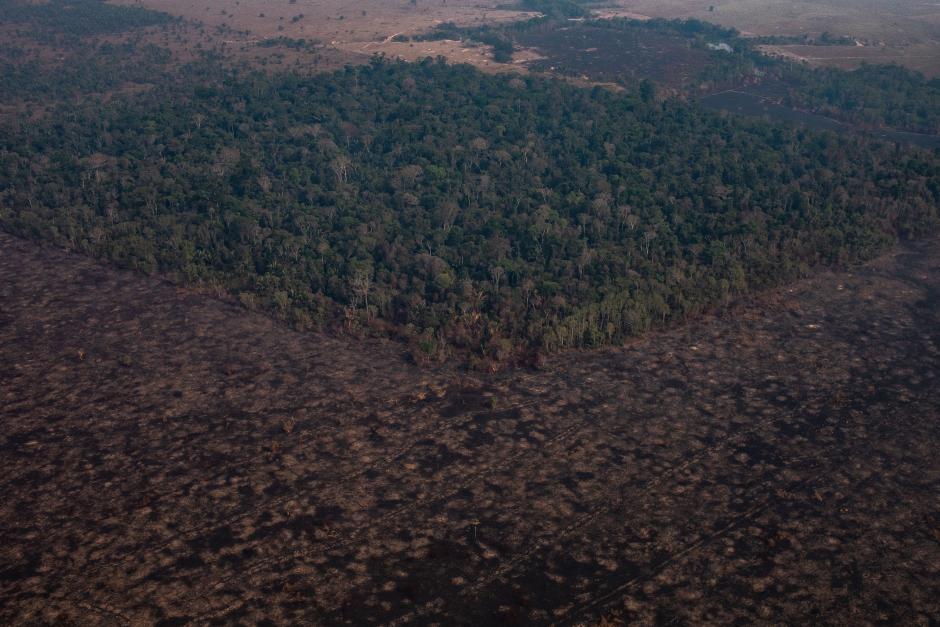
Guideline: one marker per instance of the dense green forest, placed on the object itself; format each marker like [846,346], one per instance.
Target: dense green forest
[76,18]
[455,209]
[63,50]
[553,8]
[494,215]
[873,96]
[89,70]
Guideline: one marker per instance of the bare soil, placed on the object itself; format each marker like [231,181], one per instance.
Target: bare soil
[897,31]
[333,20]
[165,456]
[905,32]
[357,28]
[923,58]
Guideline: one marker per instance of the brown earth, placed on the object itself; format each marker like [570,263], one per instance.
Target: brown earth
[896,22]
[359,28]
[900,31]
[923,58]
[168,456]
[905,32]
[333,21]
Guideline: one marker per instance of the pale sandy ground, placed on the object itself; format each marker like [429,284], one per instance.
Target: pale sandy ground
[895,31]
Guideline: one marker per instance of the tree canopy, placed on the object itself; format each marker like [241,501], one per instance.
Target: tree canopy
[455,209]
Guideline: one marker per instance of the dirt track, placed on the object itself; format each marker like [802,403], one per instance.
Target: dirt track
[164,455]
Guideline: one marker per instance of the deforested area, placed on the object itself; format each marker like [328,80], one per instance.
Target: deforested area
[395,312]
[168,457]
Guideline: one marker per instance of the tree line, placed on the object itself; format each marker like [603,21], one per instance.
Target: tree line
[52,20]
[492,215]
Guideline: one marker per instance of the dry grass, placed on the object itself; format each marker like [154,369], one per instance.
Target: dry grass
[359,29]
[905,32]
[920,57]
[901,31]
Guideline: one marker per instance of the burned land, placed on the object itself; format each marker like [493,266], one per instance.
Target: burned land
[228,435]
[168,457]
[609,55]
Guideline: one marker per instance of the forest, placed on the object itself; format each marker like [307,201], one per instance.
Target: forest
[537,323]
[872,96]
[76,18]
[497,217]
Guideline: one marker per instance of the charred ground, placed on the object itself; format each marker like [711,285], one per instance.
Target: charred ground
[169,458]
[617,56]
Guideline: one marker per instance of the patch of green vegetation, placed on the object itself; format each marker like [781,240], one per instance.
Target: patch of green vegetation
[873,95]
[556,8]
[490,213]
[501,44]
[78,18]
[88,70]
[288,42]
[825,39]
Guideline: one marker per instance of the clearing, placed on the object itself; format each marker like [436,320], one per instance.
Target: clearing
[168,455]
